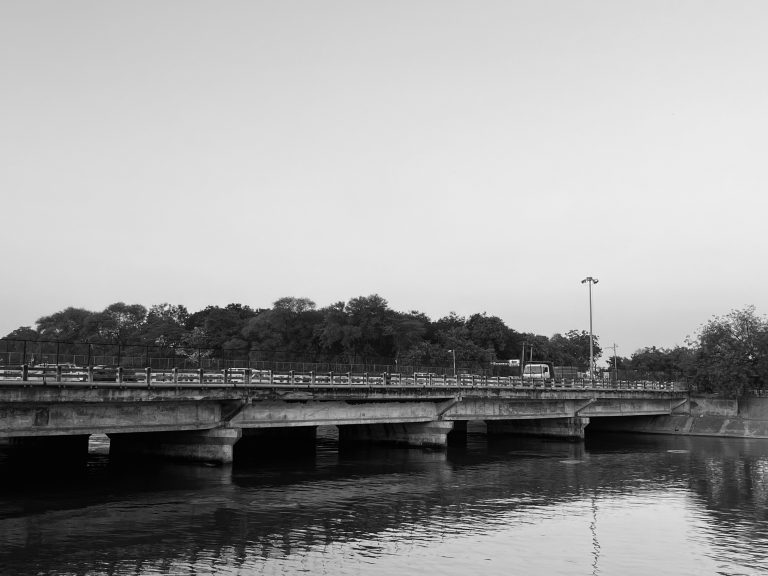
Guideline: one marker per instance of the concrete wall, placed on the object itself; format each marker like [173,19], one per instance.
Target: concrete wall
[196,445]
[703,405]
[726,417]
[562,428]
[104,418]
[427,434]
[281,414]
[753,408]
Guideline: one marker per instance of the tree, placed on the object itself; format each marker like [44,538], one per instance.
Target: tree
[287,328]
[216,326]
[572,349]
[23,333]
[453,333]
[330,331]
[490,333]
[164,325]
[69,324]
[406,331]
[369,320]
[119,322]
[731,356]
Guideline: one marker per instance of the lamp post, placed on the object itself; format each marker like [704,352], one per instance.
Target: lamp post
[454,361]
[589,280]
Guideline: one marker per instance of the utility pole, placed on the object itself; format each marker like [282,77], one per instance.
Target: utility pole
[615,364]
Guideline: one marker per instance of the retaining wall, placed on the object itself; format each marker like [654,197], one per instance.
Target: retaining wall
[708,416]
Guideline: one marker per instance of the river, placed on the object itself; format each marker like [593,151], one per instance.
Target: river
[616,504]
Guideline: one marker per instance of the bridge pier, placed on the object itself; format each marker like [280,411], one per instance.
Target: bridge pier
[214,445]
[420,434]
[563,428]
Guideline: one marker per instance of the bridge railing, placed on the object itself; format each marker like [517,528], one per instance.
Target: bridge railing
[65,374]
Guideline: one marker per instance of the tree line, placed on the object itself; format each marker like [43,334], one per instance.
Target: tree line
[728,355]
[362,330]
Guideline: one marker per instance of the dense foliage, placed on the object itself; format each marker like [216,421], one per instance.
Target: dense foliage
[364,329]
[728,355]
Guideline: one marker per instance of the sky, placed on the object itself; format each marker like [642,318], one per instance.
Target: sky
[450,156]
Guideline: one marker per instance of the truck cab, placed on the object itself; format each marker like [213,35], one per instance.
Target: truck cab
[538,371]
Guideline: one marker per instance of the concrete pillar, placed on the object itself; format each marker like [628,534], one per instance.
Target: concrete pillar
[196,445]
[422,434]
[288,442]
[563,428]
[44,450]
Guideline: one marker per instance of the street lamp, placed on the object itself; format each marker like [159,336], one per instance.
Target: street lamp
[454,361]
[589,280]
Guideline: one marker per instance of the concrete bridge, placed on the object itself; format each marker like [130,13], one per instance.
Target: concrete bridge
[203,414]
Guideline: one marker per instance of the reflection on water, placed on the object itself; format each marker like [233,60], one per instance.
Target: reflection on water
[621,504]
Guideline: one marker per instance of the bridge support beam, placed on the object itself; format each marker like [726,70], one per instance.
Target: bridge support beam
[196,445]
[420,434]
[563,428]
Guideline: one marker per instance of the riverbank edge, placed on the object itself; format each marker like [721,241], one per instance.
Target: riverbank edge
[708,416]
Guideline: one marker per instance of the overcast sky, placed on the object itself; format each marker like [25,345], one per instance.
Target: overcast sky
[479,156]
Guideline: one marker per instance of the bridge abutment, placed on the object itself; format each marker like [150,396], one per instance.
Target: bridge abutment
[563,428]
[419,434]
[214,445]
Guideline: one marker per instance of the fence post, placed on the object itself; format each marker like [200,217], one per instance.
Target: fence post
[175,375]
[148,376]
[200,374]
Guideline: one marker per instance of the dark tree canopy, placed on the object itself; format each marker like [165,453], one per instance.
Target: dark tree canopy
[729,355]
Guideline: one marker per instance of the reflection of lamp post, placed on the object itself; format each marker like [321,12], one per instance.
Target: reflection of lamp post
[595,541]
[454,361]
[590,281]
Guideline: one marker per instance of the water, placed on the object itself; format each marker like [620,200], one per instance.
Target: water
[624,504]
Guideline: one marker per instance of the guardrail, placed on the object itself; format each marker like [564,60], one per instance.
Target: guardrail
[93,376]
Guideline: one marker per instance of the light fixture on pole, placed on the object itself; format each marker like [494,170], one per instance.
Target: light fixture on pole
[454,361]
[589,280]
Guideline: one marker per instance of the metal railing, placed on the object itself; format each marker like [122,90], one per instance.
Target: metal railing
[93,376]
[167,357]
[124,363]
